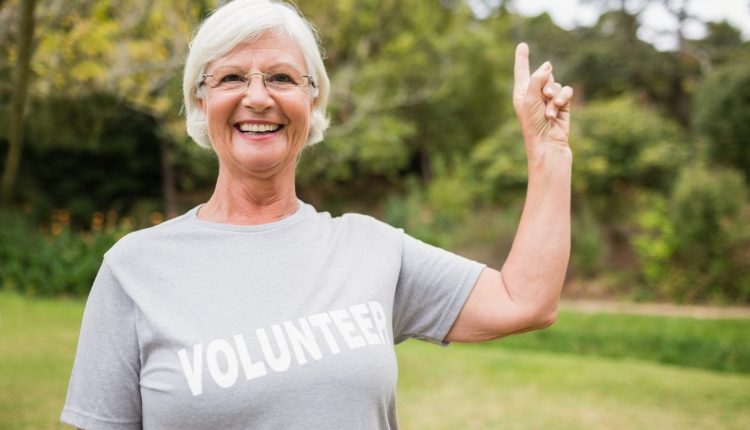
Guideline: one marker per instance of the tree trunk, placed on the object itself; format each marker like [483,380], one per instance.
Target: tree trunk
[18,104]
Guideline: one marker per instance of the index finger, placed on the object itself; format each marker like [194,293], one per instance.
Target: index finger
[521,67]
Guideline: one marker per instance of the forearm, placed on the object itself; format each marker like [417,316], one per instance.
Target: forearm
[534,271]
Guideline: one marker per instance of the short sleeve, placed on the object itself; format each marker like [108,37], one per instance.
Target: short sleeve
[432,288]
[104,389]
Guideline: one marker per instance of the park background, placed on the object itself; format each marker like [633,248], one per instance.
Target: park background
[423,136]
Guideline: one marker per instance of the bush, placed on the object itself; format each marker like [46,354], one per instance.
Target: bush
[438,211]
[54,260]
[500,160]
[620,144]
[696,246]
[712,231]
[721,114]
[589,248]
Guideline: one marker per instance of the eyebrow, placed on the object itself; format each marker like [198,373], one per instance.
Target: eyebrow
[271,67]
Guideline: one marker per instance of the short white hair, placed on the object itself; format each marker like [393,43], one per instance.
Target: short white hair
[241,21]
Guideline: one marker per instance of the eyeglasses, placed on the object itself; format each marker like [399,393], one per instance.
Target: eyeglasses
[236,79]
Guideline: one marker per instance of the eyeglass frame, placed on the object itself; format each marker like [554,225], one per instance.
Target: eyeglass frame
[249,76]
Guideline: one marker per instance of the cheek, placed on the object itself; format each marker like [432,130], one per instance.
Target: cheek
[301,114]
[217,113]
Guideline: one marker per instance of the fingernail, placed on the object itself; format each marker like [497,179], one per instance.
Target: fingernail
[548,90]
[551,113]
[547,65]
[560,100]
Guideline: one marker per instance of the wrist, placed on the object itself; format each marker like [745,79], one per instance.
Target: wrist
[548,154]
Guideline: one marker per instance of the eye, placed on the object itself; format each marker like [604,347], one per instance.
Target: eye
[231,77]
[281,78]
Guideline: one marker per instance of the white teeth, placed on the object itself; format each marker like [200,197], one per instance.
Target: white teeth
[259,128]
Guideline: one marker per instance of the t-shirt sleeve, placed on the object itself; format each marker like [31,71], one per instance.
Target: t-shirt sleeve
[432,288]
[104,389]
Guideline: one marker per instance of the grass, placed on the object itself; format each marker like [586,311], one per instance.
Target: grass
[472,387]
[709,344]
[37,345]
[564,378]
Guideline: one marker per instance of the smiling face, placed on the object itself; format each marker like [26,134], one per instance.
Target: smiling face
[257,131]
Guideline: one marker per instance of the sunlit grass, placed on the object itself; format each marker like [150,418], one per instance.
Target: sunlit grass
[37,345]
[473,387]
[461,387]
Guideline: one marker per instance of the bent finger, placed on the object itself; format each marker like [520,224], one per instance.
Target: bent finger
[564,96]
[539,79]
[552,88]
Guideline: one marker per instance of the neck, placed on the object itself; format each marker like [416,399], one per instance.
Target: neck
[250,201]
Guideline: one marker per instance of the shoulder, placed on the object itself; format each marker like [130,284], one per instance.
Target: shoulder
[360,231]
[366,224]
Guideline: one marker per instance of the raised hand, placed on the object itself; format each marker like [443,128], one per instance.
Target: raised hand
[541,104]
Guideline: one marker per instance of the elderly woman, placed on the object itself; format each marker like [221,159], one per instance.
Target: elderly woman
[254,310]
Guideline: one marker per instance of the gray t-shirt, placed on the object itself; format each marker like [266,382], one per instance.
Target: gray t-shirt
[288,325]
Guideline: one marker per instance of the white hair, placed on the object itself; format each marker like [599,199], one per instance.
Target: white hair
[241,21]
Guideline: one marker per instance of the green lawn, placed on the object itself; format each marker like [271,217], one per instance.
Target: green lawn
[471,387]
[37,344]
[709,344]
[529,382]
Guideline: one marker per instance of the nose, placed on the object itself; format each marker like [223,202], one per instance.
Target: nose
[256,94]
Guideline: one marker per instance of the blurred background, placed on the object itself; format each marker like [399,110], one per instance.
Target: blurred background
[423,136]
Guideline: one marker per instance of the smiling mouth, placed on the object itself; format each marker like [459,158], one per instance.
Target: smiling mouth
[258,129]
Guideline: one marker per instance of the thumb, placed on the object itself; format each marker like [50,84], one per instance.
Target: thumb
[538,79]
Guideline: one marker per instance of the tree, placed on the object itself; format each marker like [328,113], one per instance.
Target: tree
[20,89]
[413,81]
[133,49]
[722,116]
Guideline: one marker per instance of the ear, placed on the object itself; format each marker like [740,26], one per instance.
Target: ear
[201,104]
[313,103]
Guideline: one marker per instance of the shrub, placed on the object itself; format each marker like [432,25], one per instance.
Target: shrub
[721,114]
[588,246]
[696,246]
[436,212]
[53,260]
[712,232]
[621,144]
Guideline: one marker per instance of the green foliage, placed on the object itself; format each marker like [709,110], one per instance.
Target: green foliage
[408,211]
[55,261]
[713,231]
[600,58]
[452,192]
[89,154]
[722,115]
[619,143]
[654,244]
[500,161]
[406,86]
[589,249]
[695,246]
[419,90]
[437,213]
[723,44]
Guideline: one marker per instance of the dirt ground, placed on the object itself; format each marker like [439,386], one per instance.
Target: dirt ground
[693,311]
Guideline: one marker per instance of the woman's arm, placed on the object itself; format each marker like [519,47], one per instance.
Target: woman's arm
[523,296]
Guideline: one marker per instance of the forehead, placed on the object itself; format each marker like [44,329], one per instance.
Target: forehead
[268,49]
